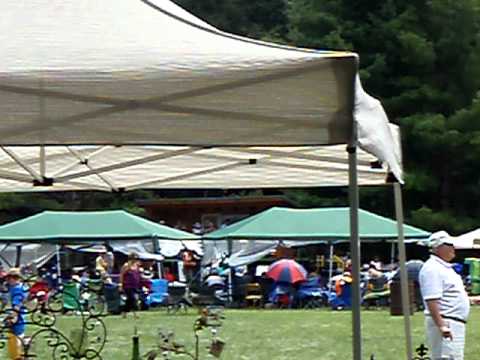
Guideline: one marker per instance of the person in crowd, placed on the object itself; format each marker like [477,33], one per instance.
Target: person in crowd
[168,274]
[3,287]
[130,282]
[110,260]
[179,225]
[446,301]
[197,228]
[209,227]
[373,271]
[101,264]
[189,264]
[16,318]
[347,265]
[377,263]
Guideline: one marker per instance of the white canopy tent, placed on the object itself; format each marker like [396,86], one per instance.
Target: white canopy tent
[126,94]
[469,240]
[110,168]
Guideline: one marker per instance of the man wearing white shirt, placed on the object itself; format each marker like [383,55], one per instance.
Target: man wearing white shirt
[446,301]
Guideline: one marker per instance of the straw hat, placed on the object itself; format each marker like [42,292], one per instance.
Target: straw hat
[14,272]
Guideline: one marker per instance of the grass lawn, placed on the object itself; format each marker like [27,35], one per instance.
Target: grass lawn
[276,334]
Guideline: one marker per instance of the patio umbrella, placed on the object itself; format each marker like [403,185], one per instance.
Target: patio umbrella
[287,270]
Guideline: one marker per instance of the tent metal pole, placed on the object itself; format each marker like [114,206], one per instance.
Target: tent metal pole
[392,253]
[18,259]
[43,163]
[330,268]
[59,265]
[355,249]
[156,250]
[230,275]
[403,269]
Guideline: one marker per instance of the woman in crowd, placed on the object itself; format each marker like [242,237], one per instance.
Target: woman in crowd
[130,281]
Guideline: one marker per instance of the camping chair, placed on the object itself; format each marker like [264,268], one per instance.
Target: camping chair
[342,297]
[178,298]
[282,295]
[254,295]
[159,294]
[112,298]
[92,295]
[310,295]
[378,292]
[71,296]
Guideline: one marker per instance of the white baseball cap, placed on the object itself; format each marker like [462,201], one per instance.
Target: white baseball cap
[440,238]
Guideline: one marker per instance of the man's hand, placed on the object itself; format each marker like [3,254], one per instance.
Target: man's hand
[475,300]
[446,332]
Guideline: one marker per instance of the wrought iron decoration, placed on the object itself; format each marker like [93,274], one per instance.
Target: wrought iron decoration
[42,311]
[211,318]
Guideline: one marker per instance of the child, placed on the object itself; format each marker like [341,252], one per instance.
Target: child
[16,318]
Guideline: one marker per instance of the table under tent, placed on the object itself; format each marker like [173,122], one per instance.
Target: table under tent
[169,101]
[42,234]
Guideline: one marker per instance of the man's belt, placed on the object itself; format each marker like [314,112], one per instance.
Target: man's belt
[451,318]
[454,318]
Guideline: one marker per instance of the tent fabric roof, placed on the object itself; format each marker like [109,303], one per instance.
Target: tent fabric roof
[469,240]
[86,226]
[123,72]
[109,168]
[329,224]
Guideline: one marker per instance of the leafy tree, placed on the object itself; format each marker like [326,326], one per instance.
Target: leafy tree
[257,19]
[422,59]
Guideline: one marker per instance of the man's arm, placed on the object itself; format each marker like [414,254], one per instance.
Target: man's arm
[475,300]
[437,318]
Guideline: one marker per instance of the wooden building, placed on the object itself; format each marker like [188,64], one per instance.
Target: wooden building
[183,213]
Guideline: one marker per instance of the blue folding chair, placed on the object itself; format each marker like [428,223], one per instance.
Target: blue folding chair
[159,294]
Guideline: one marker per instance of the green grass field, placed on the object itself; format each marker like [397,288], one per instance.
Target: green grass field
[275,334]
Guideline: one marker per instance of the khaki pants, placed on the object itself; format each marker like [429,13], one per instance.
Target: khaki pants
[445,349]
[15,347]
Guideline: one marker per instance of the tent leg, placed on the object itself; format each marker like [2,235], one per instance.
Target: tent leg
[230,275]
[403,269]
[59,265]
[156,250]
[392,253]
[355,249]
[18,259]
[330,268]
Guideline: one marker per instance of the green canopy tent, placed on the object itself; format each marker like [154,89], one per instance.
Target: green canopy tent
[327,224]
[117,227]
[67,227]
[297,227]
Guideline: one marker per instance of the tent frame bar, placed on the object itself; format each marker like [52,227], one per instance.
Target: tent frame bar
[126,164]
[403,269]
[22,164]
[355,249]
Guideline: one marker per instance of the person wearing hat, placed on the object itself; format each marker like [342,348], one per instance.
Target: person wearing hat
[446,302]
[16,319]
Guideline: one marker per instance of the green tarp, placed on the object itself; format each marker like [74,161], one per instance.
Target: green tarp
[88,226]
[329,224]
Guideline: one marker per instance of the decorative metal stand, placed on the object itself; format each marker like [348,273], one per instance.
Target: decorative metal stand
[40,313]
[211,318]
[422,352]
